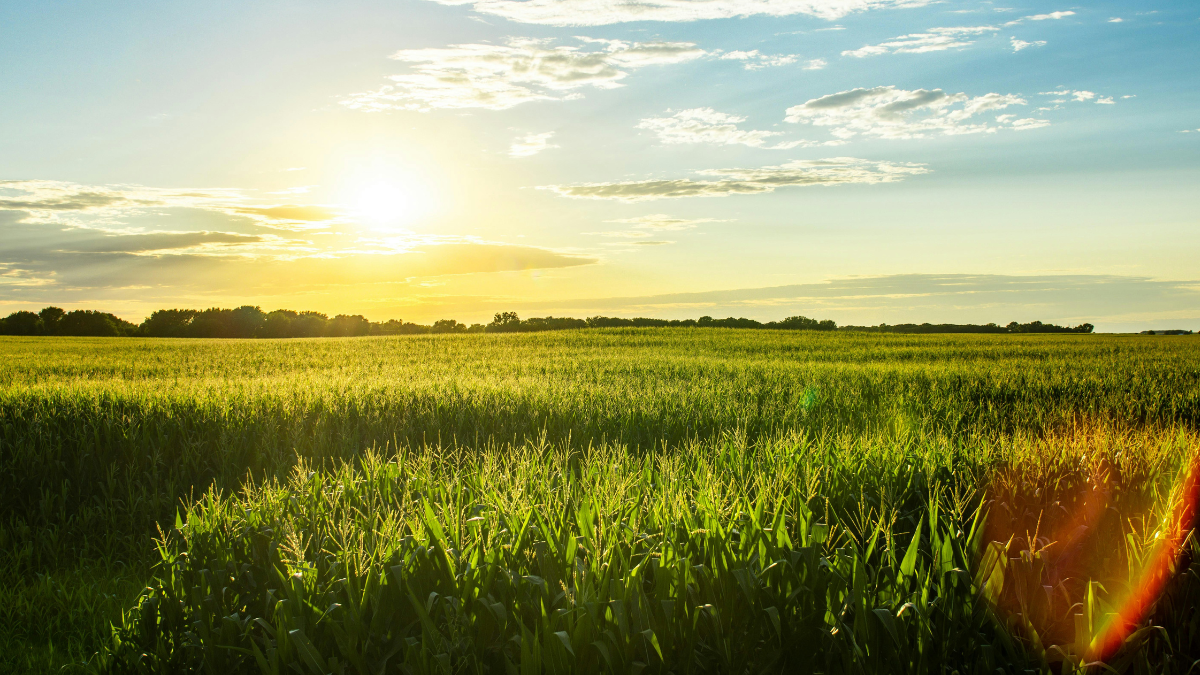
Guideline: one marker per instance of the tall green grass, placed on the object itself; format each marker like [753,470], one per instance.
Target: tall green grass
[642,447]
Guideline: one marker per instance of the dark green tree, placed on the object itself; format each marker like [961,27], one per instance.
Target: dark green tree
[347,325]
[168,323]
[23,323]
[85,322]
[50,318]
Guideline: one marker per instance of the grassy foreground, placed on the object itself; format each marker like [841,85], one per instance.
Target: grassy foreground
[658,500]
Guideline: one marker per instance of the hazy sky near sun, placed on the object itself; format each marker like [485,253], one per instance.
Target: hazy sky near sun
[861,160]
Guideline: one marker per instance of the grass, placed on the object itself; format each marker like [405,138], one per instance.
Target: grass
[666,500]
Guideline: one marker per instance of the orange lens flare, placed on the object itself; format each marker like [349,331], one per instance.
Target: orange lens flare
[1058,544]
[1157,570]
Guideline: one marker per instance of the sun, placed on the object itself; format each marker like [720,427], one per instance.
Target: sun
[384,204]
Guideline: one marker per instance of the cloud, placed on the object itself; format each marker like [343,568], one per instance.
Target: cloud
[834,171]
[498,77]
[888,112]
[1116,19]
[753,60]
[815,64]
[78,205]
[651,225]
[604,12]
[306,214]
[661,222]
[530,144]
[155,242]
[705,125]
[1077,96]
[1042,17]
[933,40]
[944,38]
[1111,302]
[1018,45]
[64,229]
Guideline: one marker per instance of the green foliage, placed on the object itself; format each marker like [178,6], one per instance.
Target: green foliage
[710,559]
[584,459]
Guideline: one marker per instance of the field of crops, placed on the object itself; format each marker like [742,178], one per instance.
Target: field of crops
[600,501]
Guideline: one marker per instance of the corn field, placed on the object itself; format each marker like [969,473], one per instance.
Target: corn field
[601,501]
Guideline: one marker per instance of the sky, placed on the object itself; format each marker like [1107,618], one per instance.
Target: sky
[866,161]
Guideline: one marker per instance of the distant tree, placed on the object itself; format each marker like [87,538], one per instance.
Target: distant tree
[246,321]
[448,326]
[50,318]
[213,322]
[23,323]
[85,322]
[167,323]
[345,325]
[553,323]
[477,328]
[278,324]
[504,322]
[309,324]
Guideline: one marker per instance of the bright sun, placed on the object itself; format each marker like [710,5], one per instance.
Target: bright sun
[387,204]
[383,203]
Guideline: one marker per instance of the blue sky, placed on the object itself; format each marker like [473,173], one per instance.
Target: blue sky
[861,160]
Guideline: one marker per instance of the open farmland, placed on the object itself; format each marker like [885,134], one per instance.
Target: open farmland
[617,500]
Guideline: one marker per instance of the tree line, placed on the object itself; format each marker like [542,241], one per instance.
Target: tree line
[252,322]
[1012,327]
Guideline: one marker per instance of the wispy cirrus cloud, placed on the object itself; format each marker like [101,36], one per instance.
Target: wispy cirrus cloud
[1065,96]
[78,205]
[531,144]
[661,222]
[1018,45]
[945,38]
[498,77]
[725,182]
[604,12]
[68,239]
[655,224]
[755,60]
[1111,302]
[705,125]
[889,112]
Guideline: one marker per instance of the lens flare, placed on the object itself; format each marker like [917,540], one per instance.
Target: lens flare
[1062,567]
[1158,569]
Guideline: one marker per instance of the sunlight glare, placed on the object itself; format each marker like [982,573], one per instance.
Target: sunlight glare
[388,204]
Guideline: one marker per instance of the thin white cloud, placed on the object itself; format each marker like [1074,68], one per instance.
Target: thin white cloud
[888,112]
[72,204]
[1018,45]
[1042,17]
[604,12]
[498,77]
[661,222]
[933,40]
[705,125]
[725,182]
[944,38]
[754,60]
[1078,96]
[531,144]
[1116,19]
[815,64]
